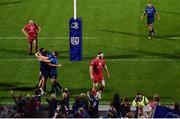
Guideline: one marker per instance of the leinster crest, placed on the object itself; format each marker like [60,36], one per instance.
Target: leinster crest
[74,40]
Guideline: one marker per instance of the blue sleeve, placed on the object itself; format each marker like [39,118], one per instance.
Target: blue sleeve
[145,10]
[154,10]
[56,61]
[49,56]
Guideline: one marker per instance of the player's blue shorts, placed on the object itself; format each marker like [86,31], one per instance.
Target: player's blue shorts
[150,21]
[44,72]
[53,74]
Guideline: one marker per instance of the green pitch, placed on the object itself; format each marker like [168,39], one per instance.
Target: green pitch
[135,63]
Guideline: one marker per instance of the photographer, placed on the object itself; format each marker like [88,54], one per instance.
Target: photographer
[140,100]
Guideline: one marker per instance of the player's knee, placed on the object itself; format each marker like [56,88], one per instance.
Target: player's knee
[52,81]
[150,27]
[103,83]
[30,45]
[95,85]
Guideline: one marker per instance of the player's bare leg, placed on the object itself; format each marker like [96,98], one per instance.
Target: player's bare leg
[41,85]
[54,88]
[40,76]
[94,89]
[58,86]
[102,86]
[45,80]
[151,31]
[30,48]
[36,45]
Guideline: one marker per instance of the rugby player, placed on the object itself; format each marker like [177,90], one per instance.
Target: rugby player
[150,11]
[43,70]
[96,73]
[31,31]
[53,64]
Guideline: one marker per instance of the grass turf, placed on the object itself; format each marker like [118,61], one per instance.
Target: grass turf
[135,63]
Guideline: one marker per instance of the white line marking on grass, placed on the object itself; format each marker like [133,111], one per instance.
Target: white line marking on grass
[41,37]
[174,38]
[6,59]
[142,60]
[111,60]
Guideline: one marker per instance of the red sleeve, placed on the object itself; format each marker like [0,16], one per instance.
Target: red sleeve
[25,27]
[92,63]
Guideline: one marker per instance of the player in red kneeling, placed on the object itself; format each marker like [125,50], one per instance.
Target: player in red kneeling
[96,73]
[31,30]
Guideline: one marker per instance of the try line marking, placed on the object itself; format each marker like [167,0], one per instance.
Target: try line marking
[41,37]
[111,60]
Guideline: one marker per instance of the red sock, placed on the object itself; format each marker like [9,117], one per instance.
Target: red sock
[94,91]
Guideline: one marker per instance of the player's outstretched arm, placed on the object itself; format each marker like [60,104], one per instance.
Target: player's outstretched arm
[55,65]
[90,72]
[106,69]
[142,16]
[157,14]
[24,32]
[39,29]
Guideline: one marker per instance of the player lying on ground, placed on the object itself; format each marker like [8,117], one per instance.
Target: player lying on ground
[52,62]
[96,72]
[31,31]
[150,11]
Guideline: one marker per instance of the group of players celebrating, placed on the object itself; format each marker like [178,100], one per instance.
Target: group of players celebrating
[49,61]
[48,69]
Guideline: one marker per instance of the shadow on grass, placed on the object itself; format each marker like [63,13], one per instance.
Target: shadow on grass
[14,51]
[165,37]
[6,97]
[162,55]
[24,88]
[123,33]
[7,86]
[10,3]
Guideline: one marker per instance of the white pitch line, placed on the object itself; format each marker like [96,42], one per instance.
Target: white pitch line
[143,60]
[111,60]
[41,37]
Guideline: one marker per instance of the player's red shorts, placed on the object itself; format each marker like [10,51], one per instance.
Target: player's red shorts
[98,79]
[31,39]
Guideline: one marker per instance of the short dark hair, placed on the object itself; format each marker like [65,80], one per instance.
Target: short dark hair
[139,93]
[99,52]
[41,50]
